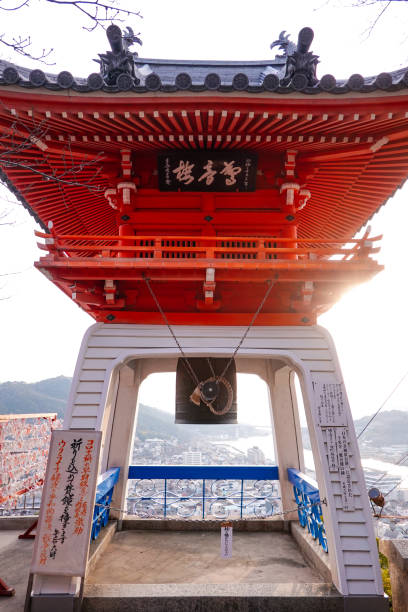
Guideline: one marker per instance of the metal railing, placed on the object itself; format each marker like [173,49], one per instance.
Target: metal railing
[103,498]
[203,492]
[208,247]
[307,497]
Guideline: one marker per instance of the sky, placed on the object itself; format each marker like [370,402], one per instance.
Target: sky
[41,329]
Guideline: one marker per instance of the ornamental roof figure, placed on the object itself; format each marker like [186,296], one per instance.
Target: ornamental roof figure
[284,44]
[117,67]
[301,63]
[122,70]
[325,163]
[267,107]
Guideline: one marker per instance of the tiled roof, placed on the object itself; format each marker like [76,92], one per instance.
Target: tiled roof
[172,76]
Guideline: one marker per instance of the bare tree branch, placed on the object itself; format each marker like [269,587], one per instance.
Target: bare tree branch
[15,273]
[98,13]
[20,46]
[17,144]
[380,14]
[15,8]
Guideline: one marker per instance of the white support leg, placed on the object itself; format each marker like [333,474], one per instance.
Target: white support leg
[307,350]
[122,432]
[286,428]
[349,526]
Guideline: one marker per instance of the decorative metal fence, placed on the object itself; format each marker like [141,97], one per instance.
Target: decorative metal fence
[103,498]
[203,492]
[307,497]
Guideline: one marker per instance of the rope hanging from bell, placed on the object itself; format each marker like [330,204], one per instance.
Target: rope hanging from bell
[209,390]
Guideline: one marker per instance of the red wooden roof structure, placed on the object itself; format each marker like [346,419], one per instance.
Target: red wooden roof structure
[83,157]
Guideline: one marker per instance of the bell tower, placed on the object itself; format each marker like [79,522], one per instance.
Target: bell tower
[212,219]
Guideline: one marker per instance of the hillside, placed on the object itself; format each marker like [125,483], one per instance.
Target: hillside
[51,395]
[156,423]
[48,395]
[389,428]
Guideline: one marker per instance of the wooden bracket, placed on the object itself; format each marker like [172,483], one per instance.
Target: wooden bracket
[27,535]
[208,288]
[110,291]
[307,292]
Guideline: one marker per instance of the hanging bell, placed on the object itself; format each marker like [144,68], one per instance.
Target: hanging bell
[210,397]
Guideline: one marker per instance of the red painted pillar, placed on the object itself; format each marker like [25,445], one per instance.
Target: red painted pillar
[126,230]
[290,232]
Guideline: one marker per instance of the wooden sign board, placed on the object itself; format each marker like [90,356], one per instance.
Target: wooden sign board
[67,505]
[226,540]
[221,171]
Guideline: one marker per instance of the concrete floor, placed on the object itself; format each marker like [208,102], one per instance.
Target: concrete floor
[15,559]
[180,557]
[179,560]
[182,571]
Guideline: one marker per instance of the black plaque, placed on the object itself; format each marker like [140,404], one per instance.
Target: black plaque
[207,171]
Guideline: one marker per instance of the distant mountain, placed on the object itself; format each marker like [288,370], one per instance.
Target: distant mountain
[48,395]
[155,423]
[51,395]
[388,428]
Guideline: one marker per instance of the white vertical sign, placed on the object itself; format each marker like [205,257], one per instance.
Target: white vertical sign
[226,540]
[330,400]
[344,469]
[331,415]
[332,449]
[67,505]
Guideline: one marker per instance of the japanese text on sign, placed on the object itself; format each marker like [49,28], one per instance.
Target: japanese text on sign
[331,415]
[207,171]
[344,469]
[67,506]
[226,541]
[332,449]
[330,404]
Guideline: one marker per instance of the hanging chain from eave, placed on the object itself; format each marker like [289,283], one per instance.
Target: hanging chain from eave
[163,314]
[270,285]
[269,288]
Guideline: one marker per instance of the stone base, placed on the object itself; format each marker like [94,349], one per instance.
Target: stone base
[287,597]
[129,523]
[311,550]
[54,603]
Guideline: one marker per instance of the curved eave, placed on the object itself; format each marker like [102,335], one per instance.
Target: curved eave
[356,145]
[18,97]
[11,186]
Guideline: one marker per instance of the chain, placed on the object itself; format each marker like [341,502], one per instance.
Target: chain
[258,310]
[163,314]
[211,367]
[283,513]
[190,369]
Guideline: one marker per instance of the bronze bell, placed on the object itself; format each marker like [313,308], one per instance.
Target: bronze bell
[209,397]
